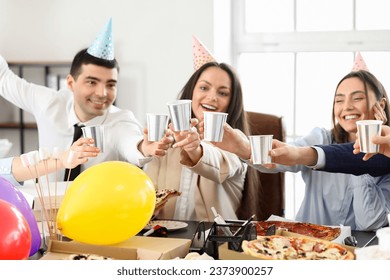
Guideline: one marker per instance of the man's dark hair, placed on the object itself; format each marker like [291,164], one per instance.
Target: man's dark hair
[84,58]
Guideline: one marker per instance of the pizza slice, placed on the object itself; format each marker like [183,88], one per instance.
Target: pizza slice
[277,247]
[308,229]
[163,195]
[87,257]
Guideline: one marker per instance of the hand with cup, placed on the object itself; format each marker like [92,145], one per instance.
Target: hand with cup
[382,140]
[189,141]
[234,141]
[97,134]
[214,126]
[261,145]
[79,152]
[157,138]
[157,125]
[366,130]
[180,112]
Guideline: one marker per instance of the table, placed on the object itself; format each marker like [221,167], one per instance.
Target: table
[187,233]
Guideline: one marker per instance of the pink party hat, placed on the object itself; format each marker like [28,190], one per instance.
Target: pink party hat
[103,46]
[359,63]
[201,54]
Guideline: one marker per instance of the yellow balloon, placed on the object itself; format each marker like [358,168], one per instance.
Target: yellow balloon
[107,204]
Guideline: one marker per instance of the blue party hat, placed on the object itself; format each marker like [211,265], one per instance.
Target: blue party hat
[103,46]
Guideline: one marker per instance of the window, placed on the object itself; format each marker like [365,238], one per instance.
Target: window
[290,55]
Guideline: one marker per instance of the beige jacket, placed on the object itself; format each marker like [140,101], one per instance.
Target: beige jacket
[216,180]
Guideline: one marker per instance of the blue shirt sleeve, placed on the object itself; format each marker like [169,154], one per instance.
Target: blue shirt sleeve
[6,170]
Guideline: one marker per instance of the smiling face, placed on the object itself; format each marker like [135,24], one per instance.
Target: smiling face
[352,104]
[94,90]
[212,92]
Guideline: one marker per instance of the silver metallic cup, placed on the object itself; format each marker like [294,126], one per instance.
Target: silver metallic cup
[180,111]
[96,133]
[366,129]
[260,147]
[157,124]
[213,126]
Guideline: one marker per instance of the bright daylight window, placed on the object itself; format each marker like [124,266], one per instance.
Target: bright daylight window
[290,55]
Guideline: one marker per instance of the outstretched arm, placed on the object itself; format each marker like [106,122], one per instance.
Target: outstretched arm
[233,141]
[340,158]
[286,154]
[78,154]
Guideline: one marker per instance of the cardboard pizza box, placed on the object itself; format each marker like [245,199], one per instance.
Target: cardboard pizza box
[224,253]
[135,248]
[61,250]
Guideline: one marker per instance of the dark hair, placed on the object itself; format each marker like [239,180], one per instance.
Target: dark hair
[84,58]
[370,82]
[237,119]
[236,114]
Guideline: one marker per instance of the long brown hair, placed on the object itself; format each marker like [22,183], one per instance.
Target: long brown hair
[339,135]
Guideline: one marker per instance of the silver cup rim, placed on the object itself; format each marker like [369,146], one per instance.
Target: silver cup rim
[155,114]
[367,122]
[179,102]
[215,113]
[264,136]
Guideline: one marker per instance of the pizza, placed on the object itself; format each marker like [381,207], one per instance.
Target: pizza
[277,247]
[308,229]
[163,195]
[87,257]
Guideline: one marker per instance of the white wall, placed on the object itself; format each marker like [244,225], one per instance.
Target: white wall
[152,41]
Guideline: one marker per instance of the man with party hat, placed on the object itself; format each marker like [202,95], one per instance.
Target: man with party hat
[87,101]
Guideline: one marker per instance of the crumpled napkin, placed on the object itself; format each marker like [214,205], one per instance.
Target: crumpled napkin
[196,256]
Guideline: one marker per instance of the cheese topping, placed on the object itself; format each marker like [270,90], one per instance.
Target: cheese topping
[285,248]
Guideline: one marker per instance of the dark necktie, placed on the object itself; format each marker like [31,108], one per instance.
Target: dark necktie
[75,171]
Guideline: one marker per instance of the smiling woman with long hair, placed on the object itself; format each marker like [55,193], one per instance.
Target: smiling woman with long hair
[205,175]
